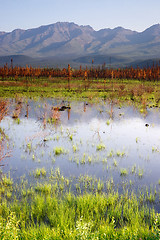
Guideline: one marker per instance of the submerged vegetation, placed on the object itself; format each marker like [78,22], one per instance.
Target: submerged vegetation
[44,204]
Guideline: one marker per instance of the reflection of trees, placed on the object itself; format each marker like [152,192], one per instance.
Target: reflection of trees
[45,116]
[3,142]
[27,111]
[84,109]
[111,111]
[4,107]
[69,113]
[18,109]
[50,115]
[55,115]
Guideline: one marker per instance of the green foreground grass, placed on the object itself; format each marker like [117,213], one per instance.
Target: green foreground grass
[49,209]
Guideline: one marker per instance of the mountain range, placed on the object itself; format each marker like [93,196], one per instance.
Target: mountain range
[63,42]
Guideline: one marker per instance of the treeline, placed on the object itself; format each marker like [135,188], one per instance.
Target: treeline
[149,73]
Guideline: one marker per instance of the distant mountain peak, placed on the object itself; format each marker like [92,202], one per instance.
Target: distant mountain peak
[67,39]
[153,28]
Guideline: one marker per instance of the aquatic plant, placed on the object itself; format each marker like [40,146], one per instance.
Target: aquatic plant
[7,180]
[58,150]
[110,154]
[39,172]
[115,163]
[29,146]
[140,172]
[43,172]
[120,154]
[123,171]
[100,147]
[71,137]
[155,149]
[74,148]
[150,195]
[18,121]
[108,122]
[89,159]
[134,169]
[83,159]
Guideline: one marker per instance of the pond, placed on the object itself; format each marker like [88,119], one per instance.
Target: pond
[104,140]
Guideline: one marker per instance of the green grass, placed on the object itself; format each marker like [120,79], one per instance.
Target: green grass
[141,94]
[50,210]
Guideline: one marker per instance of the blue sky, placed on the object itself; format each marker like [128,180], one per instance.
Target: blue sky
[136,15]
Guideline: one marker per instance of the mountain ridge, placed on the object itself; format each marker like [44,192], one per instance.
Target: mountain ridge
[67,40]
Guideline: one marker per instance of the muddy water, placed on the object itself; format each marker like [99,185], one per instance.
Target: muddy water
[102,140]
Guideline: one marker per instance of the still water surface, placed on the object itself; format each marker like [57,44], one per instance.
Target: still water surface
[101,140]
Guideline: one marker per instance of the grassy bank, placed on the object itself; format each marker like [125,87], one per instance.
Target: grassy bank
[49,209]
[136,91]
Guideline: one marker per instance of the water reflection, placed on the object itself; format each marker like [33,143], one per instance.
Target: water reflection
[4,152]
[97,139]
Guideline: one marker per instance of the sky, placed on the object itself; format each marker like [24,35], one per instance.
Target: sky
[25,14]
